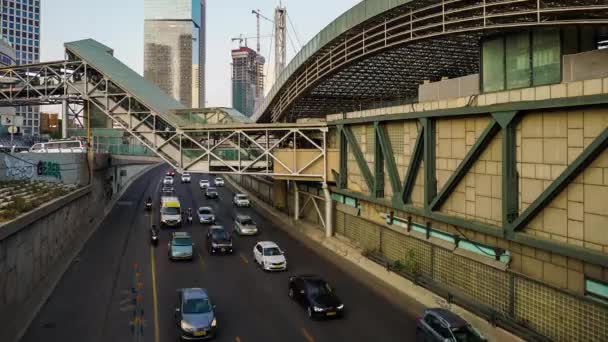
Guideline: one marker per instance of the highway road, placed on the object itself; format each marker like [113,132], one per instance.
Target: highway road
[120,288]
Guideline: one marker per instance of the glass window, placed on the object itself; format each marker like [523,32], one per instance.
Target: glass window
[518,60]
[546,55]
[493,65]
[596,290]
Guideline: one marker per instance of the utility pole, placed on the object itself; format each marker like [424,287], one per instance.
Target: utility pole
[280,35]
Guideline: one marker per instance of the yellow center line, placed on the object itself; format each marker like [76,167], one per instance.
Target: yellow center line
[307,335]
[201,262]
[154,295]
[244,258]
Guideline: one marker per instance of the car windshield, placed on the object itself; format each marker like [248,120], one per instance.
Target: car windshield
[169,211]
[219,179]
[182,242]
[211,189]
[218,234]
[466,334]
[204,211]
[247,222]
[319,289]
[241,197]
[272,251]
[196,306]
[204,181]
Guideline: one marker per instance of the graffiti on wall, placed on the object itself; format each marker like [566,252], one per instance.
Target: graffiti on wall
[20,169]
[49,169]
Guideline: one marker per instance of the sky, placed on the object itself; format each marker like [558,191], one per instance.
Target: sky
[119,25]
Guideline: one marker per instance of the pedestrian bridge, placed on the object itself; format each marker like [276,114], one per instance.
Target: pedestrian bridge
[216,140]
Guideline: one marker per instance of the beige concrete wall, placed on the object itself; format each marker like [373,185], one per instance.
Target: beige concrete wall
[478,196]
[547,143]
[585,66]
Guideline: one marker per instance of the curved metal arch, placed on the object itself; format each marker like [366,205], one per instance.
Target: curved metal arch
[389,31]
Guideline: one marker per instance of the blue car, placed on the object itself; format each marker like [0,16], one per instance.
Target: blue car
[195,315]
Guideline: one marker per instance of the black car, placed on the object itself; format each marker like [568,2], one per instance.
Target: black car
[211,193]
[316,296]
[219,240]
[441,325]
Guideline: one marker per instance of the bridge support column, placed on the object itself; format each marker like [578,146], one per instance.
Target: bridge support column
[329,220]
[296,201]
[64,120]
[279,194]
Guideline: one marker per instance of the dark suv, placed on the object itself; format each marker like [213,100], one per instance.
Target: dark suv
[315,294]
[218,240]
[443,325]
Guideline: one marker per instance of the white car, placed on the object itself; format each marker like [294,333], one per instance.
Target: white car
[244,225]
[203,184]
[241,200]
[269,256]
[219,181]
[168,180]
[186,178]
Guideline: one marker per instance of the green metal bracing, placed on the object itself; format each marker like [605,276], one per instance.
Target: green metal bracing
[430,178]
[510,177]
[365,172]
[414,167]
[566,102]
[572,171]
[389,157]
[342,181]
[379,157]
[480,145]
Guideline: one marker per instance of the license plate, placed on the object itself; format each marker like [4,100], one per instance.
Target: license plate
[199,333]
[331,314]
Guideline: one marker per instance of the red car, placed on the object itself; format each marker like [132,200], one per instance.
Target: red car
[171,173]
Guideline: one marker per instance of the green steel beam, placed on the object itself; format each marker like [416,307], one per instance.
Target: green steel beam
[378,166]
[342,181]
[413,168]
[566,102]
[430,179]
[510,177]
[365,172]
[480,145]
[565,249]
[572,171]
[389,158]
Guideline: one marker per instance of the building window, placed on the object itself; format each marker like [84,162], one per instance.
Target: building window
[596,290]
[546,60]
[518,60]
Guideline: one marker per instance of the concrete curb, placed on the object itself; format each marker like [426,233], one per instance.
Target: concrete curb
[410,296]
[46,287]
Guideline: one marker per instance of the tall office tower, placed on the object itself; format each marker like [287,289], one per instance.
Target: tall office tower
[21,26]
[7,58]
[247,80]
[174,48]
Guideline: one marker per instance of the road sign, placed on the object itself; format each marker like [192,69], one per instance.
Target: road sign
[13,129]
[11,120]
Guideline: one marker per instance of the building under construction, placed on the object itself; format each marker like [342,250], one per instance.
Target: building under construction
[247,80]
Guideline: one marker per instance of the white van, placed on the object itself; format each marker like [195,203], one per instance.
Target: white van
[59,146]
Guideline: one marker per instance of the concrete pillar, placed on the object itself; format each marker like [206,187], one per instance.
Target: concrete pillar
[64,120]
[279,193]
[296,201]
[329,220]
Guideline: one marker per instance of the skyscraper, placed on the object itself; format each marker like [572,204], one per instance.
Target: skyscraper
[21,26]
[174,48]
[247,80]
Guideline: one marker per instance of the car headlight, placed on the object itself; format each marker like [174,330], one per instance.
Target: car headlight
[341,306]
[214,245]
[186,327]
[214,323]
[317,309]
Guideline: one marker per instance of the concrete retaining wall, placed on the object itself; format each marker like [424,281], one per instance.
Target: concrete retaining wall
[37,248]
[68,168]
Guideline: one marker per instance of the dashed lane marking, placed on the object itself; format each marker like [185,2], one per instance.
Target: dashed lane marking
[201,262]
[237,339]
[307,335]
[244,258]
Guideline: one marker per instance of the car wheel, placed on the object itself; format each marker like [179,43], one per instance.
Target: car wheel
[310,313]
[290,293]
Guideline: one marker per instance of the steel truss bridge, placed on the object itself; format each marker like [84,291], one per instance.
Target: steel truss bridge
[90,80]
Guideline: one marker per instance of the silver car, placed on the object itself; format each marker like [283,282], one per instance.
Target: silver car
[195,315]
[206,215]
[219,181]
[241,200]
[181,246]
[244,225]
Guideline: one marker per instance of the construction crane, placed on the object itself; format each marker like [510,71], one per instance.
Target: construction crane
[242,39]
[259,15]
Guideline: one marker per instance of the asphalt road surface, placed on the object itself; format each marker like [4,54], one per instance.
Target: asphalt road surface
[120,288]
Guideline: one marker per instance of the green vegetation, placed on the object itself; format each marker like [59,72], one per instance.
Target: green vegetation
[19,197]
